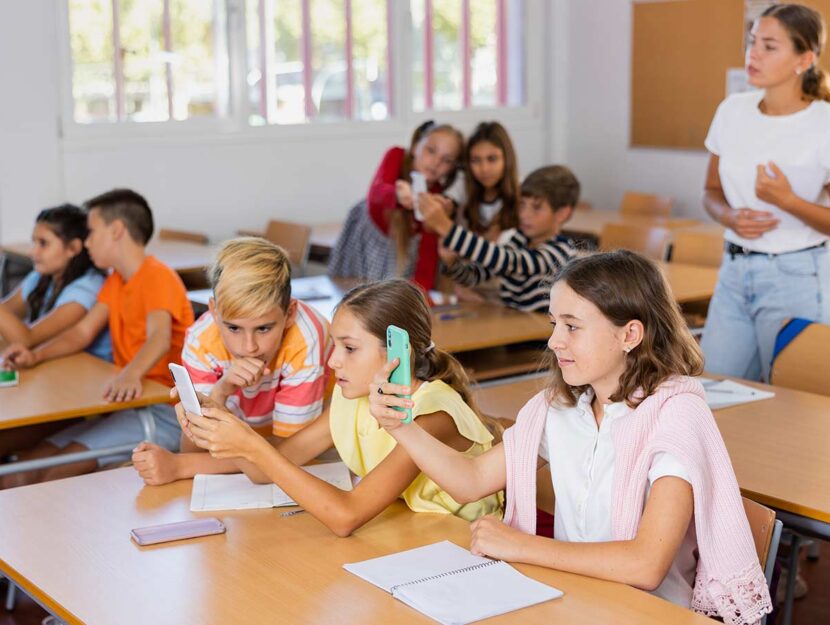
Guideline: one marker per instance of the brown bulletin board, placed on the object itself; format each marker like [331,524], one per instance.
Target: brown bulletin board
[681,51]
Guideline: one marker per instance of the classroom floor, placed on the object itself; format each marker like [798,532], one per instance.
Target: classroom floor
[813,609]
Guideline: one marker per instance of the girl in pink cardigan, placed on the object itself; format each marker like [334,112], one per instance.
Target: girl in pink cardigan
[645,492]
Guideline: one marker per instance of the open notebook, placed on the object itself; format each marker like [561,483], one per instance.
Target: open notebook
[451,585]
[237,492]
[725,393]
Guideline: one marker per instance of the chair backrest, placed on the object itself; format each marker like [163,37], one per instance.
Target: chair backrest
[766,534]
[634,203]
[293,238]
[697,248]
[166,234]
[651,241]
[800,357]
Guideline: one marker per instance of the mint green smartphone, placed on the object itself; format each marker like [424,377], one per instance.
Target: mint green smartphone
[397,346]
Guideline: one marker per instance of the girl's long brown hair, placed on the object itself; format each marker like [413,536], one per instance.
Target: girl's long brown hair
[495,133]
[626,286]
[400,303]
[402,223]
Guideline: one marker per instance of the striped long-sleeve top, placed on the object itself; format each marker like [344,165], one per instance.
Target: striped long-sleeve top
[523,271]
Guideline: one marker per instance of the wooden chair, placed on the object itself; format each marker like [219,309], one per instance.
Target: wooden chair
[645,204]
[294,238]
[651,241]
[166,234]
[799,359]
[766,534]
[697,248]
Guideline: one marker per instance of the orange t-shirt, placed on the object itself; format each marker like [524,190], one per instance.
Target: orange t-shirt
[153,287]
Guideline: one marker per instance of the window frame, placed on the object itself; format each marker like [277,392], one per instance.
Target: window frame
[235,127]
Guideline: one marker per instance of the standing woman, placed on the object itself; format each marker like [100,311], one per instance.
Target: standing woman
[768,183]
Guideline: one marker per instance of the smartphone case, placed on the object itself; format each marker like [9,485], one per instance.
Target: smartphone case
[397,346]
[185,388]
[153,534]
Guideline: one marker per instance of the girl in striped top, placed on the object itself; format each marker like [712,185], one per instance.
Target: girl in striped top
[524,258]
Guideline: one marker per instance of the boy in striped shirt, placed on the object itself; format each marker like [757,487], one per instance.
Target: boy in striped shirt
[523,258]
[257,352]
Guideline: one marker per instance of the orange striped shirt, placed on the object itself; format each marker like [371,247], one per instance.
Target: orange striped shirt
[287,399]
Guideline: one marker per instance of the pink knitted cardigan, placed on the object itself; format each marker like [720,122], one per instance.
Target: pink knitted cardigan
[675,419]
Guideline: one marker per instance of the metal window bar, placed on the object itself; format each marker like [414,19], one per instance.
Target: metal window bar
[117,62]
[466,66]
[168,65]
[429,78]
[349,108]
[265,77]
[307,59]
[390,89]
[501,52]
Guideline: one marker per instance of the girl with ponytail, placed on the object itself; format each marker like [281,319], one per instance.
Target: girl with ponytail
[62,287]
[768,183]
[441,403]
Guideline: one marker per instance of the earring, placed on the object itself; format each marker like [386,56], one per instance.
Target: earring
[627,350]
[798,72]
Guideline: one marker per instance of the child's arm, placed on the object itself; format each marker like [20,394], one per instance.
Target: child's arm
[641,562]
[467,273]
[383,191]
[14,330]
[341,511]
[465,479]
[127,384]
[72,340]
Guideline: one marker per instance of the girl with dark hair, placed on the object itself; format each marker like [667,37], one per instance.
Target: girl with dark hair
[768,183]
[62,287]
[441,404]
[645,493]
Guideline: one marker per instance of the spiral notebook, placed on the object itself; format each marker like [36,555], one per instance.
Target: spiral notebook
[452,586]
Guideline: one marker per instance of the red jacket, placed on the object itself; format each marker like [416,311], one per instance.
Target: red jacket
[382,199]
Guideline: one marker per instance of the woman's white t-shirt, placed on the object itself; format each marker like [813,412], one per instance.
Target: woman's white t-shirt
[582,470]
[799,144]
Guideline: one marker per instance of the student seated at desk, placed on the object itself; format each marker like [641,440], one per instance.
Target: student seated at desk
[440,403]
[145,305]
[644,489]
[523,259]
[257,352]
[55,295]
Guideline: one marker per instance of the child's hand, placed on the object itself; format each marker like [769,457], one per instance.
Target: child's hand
[494,539]
[125,386]
[221,433]
[466,294]
[435,210]
[182,414]
[403,193]
[448,257]
[243,372]
[18,356]
[155,464]
[380,402]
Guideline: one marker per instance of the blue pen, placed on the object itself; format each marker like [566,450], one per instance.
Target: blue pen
[455,315]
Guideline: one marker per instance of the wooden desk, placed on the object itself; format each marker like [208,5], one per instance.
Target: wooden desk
[65,388]
[780,447]
[67,544]
[181,256]
[690,283]
[321,242]
[588,224]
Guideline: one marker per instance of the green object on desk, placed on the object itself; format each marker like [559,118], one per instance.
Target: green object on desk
[9,377]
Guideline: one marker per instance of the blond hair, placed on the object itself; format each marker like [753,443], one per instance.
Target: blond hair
[249,277]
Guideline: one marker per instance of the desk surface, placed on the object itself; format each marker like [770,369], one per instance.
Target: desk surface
[56,543]
[590,222]
[779,446]
[179,255]
[64,388]
[690,283]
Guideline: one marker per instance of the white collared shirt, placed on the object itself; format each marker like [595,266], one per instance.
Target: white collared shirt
[582,470]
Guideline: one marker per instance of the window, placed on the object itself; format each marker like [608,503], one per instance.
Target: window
[293,61]
[148,60]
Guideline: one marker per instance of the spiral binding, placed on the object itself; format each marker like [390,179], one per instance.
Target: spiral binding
[466,569]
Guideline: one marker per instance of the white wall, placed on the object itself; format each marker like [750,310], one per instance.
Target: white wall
[598,104]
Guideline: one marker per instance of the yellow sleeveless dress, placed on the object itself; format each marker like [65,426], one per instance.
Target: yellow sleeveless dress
[362,444]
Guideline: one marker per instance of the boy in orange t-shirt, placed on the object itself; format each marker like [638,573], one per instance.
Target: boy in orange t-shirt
[146,306]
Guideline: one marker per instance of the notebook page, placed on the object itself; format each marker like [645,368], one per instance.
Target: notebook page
[418,563]
[335,473]
[471,596]
[229,492]
[724,393]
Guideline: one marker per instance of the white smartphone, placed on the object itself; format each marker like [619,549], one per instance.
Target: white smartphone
[419,185]
[187,392]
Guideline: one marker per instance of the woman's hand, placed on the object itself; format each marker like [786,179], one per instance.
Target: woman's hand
[380,403]
[774,189]
[749,223]
[403,192]
[494,539]
[217,431]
